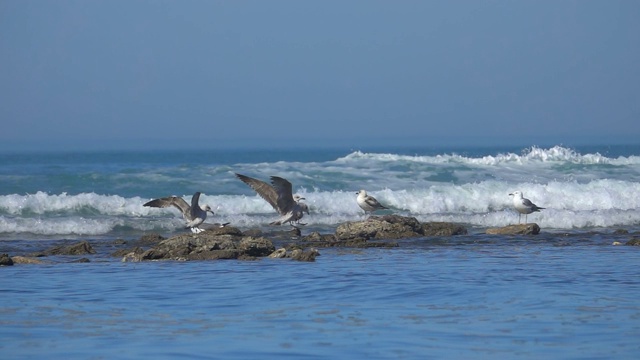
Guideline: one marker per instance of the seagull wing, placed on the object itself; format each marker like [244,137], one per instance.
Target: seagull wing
[532,206]
[285,198]
[195,206]
[371,201]
[263,189]
[175,201]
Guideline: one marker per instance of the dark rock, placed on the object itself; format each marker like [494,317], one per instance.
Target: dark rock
[520,229]
[361,230]
[297,254]
[227,230]
[317,237]
[216,243]
[81,248]
[150,239]
[120,253]
[119,242]
[390,227]
[253,233]
[5,260]
[301,255]
[257,247]
[633,242]
[620,232]
[442,229]
[81,260]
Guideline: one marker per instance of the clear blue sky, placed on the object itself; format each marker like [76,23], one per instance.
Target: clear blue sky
[217,73]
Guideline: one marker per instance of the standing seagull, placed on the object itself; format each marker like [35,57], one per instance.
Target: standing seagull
[279,197]
[194,214]
[524,206]
[368,203]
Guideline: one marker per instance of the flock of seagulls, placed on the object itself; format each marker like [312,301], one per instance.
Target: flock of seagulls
[279,194]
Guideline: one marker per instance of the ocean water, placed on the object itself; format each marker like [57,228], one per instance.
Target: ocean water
[565,293]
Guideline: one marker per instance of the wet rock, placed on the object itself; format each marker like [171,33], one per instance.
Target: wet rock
[297,254]
[217,243]
[253,232]
[302,255]
[520,229]
[5,260]
[81,248]
[151,239]
[26,260]
[442,229]
[256,247]
[317,237]
[279,253]
[391,227]
[81,260]
[633,242]
[120,253]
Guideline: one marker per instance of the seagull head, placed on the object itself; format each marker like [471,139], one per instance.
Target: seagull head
[516,194]
[208,209]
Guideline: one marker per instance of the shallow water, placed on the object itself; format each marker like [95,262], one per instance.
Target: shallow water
[474,296]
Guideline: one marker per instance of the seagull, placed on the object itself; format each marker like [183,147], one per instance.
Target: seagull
[523,206]
[368,203]
[279,196]
[194,214]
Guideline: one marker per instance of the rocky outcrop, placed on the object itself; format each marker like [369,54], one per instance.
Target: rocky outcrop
[297,254]
[520,229]
[393,227]
[80,248]
[26,260]
[218,243]
[633,242]
[5,260]
[442,229]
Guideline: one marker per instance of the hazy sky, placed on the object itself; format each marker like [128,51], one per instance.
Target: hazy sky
[229,73]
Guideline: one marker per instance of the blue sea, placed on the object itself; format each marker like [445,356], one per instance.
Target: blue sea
[567,293]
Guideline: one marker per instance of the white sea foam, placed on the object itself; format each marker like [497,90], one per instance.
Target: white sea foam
[531,155]
[568,205]
[578,191]
[42,203]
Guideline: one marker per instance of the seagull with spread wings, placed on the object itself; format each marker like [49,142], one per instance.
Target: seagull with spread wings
[194,214]
[279,195]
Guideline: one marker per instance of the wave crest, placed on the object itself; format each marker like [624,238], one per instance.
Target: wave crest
[534,154]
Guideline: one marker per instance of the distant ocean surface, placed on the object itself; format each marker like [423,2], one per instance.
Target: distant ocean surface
[566,293]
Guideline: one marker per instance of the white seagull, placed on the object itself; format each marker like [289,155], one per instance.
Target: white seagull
[279,197]
[523,206]
[368,203]
[194,214]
